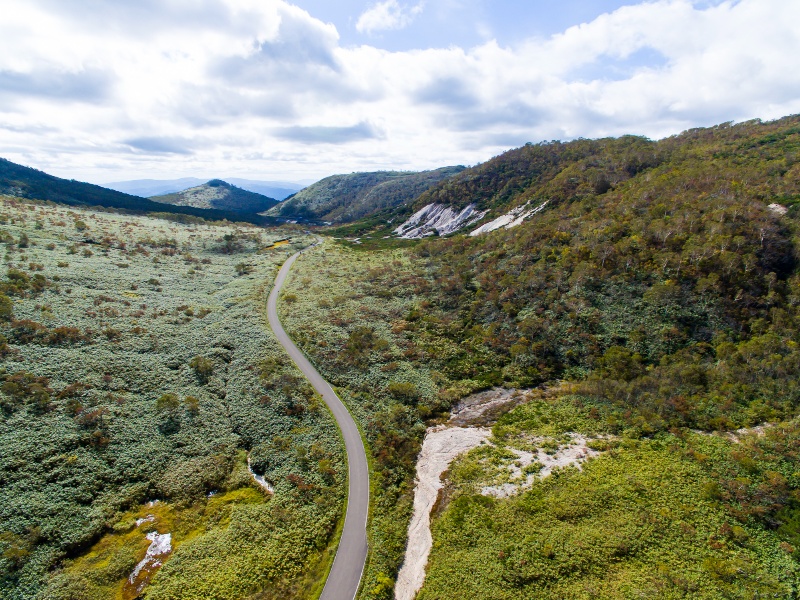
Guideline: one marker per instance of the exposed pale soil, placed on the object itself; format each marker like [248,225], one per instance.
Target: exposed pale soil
[160,548]
[259,479]
[485,407]
[573,453]
[444,443]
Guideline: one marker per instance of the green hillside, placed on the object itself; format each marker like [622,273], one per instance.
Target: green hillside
[24,182]
[347,198]
[653,309]
[556,170]
[217,194]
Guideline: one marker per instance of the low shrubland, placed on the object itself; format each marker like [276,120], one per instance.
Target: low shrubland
[137,366]
[671,516]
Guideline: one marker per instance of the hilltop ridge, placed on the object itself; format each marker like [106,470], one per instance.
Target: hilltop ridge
[26,182]
[347,198]
[221,195]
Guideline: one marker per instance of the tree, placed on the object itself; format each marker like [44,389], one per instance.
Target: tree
[169,418]
[167,403]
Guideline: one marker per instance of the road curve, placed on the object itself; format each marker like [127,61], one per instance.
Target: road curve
[348,566]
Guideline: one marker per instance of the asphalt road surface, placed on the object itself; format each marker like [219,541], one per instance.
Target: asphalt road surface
[348,566]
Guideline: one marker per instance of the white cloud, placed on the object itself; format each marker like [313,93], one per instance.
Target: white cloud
[260,87]
[387,15]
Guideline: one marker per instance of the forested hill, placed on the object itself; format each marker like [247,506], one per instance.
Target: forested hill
[555,170]
[665,271]
[220,195]
[25,182]
[346,198]
[565,171]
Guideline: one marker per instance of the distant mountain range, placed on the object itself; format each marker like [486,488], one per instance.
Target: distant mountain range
[158,187]
[347,198]
[220,195]
[25,182]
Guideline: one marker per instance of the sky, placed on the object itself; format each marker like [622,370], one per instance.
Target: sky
[101,90]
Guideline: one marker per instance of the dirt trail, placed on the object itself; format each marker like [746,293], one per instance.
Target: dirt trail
[442,444]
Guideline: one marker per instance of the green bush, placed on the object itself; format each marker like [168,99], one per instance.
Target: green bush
[204,367]
[6,308]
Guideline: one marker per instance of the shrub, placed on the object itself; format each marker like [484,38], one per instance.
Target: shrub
[59,336]
[403,391]
[361,343]
[243,269]
[5,349]
[6,308]
[25,387]
[112,334]
[167,402]
[192,405]
[18,282]
[27,331]
[204,367]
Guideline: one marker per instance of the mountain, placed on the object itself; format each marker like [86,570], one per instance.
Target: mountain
[280,190]
[518,184]
[154,187]
[25,182]
[157,187]
[510,187]
[347,198]
[218,194]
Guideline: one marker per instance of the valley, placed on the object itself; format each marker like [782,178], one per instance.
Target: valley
[567,372]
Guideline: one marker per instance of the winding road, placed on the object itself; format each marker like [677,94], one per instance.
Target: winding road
[348,565]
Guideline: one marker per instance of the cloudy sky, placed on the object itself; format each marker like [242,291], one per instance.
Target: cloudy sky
[103,90]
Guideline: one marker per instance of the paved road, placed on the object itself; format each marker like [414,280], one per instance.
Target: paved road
[345,575]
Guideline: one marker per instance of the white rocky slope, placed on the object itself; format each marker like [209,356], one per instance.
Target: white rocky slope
[511,219]
[438,218]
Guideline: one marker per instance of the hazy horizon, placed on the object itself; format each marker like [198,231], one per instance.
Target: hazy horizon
[296,91]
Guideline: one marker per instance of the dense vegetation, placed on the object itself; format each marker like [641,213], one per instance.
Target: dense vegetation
[219,195]
[659,281]
[137,367]
[24,182]
[659,517]
[346,198]
[655,302]
[673,292]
